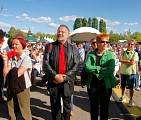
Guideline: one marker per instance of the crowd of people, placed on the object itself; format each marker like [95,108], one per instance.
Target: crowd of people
[58,64]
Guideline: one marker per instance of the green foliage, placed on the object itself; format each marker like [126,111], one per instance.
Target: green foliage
[102,26]
[12,32]
[114,37]
[137,36]
[95,23]
[89,22]
[77,23]
[84,22]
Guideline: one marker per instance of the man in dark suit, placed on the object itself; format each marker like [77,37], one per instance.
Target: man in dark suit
[2,34]
[60,66]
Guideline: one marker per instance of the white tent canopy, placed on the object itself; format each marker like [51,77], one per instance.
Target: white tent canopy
[83,34]
[50,40]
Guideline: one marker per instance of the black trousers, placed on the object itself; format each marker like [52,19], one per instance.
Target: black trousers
[99,97]
[56,107]
[1,86]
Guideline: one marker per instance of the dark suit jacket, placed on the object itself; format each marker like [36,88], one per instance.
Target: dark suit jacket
[50,67]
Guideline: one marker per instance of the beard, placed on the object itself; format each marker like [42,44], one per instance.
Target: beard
[62,38]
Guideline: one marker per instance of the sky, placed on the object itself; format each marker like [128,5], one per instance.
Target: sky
[46,15]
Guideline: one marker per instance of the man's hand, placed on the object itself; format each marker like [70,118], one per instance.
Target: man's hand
[59,78]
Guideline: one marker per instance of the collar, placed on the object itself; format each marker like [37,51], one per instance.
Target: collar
[21,57]
[130,51]
[65,44]
[105,52]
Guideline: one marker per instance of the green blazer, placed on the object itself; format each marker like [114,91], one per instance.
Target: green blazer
[105,70]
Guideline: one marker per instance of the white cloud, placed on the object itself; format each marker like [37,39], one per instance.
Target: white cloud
[100,18]
[110,28]
[6,15]
[109,22]
[113,23]
[53,25]
[26,31]
[25,17]
[5,25]
[68,18]
[131,24]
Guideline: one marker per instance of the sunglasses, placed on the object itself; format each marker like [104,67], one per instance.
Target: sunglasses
[93,42]
[130,44]
[107,42]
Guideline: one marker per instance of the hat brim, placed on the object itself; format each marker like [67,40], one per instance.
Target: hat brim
[2,35]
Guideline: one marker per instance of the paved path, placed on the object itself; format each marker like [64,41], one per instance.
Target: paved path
[134,112]
[40,106]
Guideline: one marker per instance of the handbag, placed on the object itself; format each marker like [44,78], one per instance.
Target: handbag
[15,84]
[84,77]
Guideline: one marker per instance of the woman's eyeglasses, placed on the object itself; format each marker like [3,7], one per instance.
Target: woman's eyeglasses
[107,42]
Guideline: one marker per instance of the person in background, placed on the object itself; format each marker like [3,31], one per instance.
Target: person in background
[100,65]
[84,74]
[36,66]
[11,53]
[41,54]
[137,82]
[23,62]
[86,46]
[61,66]
[2,34]
[93,44]
[128,71]
[81,53]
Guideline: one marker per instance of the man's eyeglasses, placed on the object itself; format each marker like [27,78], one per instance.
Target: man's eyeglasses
[107,42]
[130,44]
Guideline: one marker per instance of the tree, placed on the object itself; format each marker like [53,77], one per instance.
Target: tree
[95,23]
[77,23]
[102,26]
[137,36]
[12,32]
[90,22]
[84,22]
[39,34]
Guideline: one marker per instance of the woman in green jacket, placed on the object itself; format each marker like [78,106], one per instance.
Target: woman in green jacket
[100,65]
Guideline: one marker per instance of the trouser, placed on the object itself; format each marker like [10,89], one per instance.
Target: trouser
[19,101]
[71,103]
[1,86]
[56,107]
[99,97]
